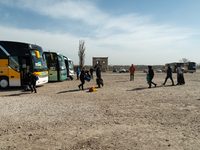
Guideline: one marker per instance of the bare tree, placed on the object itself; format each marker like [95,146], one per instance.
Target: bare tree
[184,60]
[81,53]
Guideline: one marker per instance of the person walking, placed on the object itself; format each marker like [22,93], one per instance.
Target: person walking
[91,72]
[151,76]
[180,77]
[98,74]
[33,83]
[82,78]
[132,72]
[77,73]
[169,74]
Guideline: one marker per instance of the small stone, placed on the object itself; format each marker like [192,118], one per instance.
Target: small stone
[19,127]
[169,145]
[30,134]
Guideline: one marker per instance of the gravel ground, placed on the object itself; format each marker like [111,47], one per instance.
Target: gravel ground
[122,115]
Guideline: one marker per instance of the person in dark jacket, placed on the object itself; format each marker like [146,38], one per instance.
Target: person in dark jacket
[169,74]
[180,77]
[91,73]
[32,82]
[151,75]
[98,74]
[29,79]
[82,78]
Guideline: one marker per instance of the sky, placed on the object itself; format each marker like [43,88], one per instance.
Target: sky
[142,32]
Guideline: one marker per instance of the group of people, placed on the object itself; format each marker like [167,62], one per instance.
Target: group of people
[180,77]
[150,75]
[85,73]
[31,78]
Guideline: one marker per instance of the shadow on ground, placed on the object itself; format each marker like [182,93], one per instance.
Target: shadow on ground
[121,81]
[75,90]
[11,89]
[143,88]
[28,92]
[69,91]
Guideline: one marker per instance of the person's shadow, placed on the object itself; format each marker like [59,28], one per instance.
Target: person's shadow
[143,88]
[69,91]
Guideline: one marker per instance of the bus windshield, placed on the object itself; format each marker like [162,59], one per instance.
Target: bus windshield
[61,63]
[192,65]
[39,64]
[70,65]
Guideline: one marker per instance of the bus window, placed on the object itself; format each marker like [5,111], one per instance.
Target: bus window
[70,65]
[14,63]
[38,63]
[61,63]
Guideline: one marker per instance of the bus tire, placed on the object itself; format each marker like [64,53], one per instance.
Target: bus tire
[4,83]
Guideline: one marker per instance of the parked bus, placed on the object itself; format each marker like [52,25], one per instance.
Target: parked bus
[17,59]
[190,67]
[70,67]
[174,66]
[56,66]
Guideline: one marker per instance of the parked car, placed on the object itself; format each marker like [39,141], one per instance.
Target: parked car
[104,70]
[145,71]
[114,70]
[127,70]
[122,70]
[158,70]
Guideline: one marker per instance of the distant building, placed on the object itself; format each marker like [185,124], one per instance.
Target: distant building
[101,62]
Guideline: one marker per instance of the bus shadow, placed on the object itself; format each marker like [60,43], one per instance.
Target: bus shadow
[15,94]
[11,89]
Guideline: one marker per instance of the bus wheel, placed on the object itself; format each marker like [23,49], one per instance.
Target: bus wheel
[3,83]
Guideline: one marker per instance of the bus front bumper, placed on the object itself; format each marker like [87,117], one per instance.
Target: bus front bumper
[42,80]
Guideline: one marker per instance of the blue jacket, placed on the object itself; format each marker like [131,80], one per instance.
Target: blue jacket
[77,71]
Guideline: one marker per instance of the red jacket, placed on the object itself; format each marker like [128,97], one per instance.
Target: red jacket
[132,69]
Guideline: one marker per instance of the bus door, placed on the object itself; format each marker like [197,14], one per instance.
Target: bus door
[14,71]
[53,70]
[67,66]
[25,68]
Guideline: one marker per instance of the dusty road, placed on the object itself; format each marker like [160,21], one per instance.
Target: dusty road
[122,115]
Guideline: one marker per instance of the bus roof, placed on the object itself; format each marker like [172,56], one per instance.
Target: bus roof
[16,48]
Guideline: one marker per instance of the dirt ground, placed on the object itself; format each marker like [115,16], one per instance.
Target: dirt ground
[122,115]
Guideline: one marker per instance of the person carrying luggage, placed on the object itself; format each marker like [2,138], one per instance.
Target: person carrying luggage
[82,78]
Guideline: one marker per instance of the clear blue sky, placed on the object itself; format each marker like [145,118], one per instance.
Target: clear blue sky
[127,31]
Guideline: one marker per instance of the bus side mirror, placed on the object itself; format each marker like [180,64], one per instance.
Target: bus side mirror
[51,56]
[37,53]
